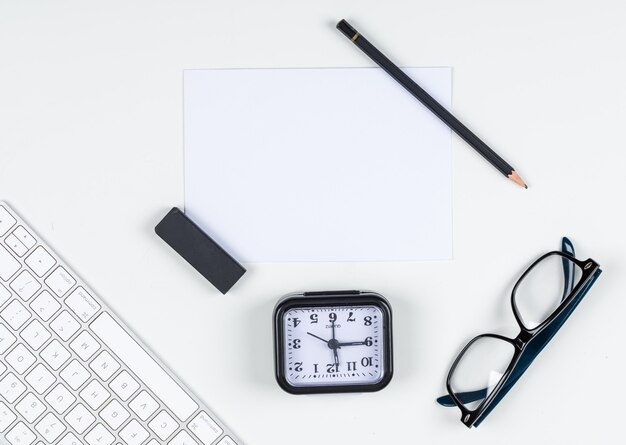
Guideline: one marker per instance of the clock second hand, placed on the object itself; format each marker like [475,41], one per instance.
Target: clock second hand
[319,338]
[332,344]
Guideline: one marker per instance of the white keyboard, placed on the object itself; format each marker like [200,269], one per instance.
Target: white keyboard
[71,372]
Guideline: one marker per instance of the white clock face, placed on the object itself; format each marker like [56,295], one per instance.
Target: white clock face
[333,345]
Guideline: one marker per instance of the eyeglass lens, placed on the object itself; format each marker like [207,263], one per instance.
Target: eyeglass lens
[543,289]
[480,369]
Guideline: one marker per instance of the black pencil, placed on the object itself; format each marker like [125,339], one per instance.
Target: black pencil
[430,103]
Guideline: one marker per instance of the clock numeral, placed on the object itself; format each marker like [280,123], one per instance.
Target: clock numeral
[298,366]
[296,344]
[331,367]
[296,322]
[368,320]
[332,317]
[366,361]
[315,365]
[368,341]
[351,366]
[350,317]
[313,318]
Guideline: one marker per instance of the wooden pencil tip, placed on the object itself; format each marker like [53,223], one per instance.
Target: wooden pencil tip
[517,179]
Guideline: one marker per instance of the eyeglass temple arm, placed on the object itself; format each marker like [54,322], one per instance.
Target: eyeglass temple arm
[568,275]
[568,267]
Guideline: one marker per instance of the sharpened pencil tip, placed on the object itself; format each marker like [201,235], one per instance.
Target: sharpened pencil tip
[517,179]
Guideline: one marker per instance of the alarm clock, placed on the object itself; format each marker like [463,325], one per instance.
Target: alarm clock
[330,342]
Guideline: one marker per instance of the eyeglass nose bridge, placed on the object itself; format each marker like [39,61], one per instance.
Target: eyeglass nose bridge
[523,338]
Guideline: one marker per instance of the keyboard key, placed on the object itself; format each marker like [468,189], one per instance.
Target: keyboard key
[40,261]
[80,418]
[6,221]
[143,366]
[99,436]
[11,387]
[134,433]
[45,305]
[50,427]
[60,399]
[6,339]
[226,440]
[104,365]
[20,359]
[30,407]
[163,425]
[144,405]
[20,434]
[25,285]
[94,394]
[2,368]
[124,385]
[40,378]
[205,428]
[85,345]
[6,417]
[82,304]
[65,325]
[8,264]
[35,334]
[114,414]
[26,238]
[182,438]
[75,374]
[60,281]
[69,439]
[5,294]
[15,314]
[16,245]
[55,354]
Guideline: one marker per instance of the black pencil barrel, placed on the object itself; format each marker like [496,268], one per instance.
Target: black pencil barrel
[426,99]
[346,29]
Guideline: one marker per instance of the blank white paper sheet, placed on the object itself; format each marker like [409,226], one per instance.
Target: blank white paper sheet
[289,165]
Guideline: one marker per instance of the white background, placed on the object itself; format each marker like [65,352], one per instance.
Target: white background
[91,155]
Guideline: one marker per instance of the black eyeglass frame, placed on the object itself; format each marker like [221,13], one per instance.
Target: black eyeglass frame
[529,342]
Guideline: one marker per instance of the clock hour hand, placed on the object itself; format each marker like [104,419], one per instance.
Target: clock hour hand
[352,343]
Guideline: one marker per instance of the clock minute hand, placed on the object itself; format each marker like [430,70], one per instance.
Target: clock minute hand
[334,346]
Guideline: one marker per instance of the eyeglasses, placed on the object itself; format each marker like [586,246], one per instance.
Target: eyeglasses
[542,299]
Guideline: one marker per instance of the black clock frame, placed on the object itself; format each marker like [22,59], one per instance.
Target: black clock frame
[332,298]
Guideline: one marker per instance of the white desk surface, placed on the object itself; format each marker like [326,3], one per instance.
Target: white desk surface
[91,155]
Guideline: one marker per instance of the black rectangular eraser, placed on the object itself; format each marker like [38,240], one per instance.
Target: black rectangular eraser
[199,250]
